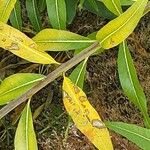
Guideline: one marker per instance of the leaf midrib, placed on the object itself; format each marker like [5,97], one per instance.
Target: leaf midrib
[130,77]
[57,13]
[23,85]
[74,97]
[65,41]
[116,7]
[34,10]
[23,45]
[130,132]
[122,24]
[5,8]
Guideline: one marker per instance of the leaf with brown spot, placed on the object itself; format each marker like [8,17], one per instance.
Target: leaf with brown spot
[85,116]
[22,46]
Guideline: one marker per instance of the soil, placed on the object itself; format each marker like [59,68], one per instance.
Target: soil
[102,87]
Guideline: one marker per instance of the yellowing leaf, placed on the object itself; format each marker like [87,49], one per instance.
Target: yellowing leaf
[84,115]
[120,28]
[21,45]
[25,138]
[16,85]
[60,40]
[114,6]
[6,6]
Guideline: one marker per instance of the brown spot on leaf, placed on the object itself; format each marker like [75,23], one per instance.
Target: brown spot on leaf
[33,45]
[76,89]
[3,40]
[98,124]
[13,46]
[82,98]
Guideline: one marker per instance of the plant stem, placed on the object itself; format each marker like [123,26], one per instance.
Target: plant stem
[50,77]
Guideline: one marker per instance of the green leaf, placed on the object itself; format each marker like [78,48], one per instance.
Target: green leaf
[81,3]
[71,8]
[57,13]
[41,5]
[120,28]
[22,46]
[15,17]
[6,6]
[130,83]
[124,2]
[127,2]
[60,40]
[78,74]
[138,135]
[114,6]
[102,10]
[17,84]
[33,14]
[93,5]
[147,9]
[25,138]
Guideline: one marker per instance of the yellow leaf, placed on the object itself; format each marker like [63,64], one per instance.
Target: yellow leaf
[121,27]
[85,116]
[19,44]
[60,40]
[6,6]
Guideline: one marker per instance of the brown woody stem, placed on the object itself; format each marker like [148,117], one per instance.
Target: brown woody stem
[50,77]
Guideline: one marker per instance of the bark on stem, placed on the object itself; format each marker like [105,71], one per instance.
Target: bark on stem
[50,77]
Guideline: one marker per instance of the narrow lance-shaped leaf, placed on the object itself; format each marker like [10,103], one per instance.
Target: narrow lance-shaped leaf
[124,2]
[102,9]
[114,6]
[84,115]
[19,44]
[33,14]
[25,138]
[6,6]
[60,40]
[93,5]
[16,85]
[129,81]
[138,135]
[78,74]
[15,17]
[41,5]
[147,9]
[81,3]
[120,28]
[57,13]
[71,8]
[127,2]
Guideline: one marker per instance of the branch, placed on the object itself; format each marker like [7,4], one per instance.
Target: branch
[50,77]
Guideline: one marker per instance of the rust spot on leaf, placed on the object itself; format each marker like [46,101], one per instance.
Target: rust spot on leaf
[76,89]
[3,40]
[13,46]
[82,98]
